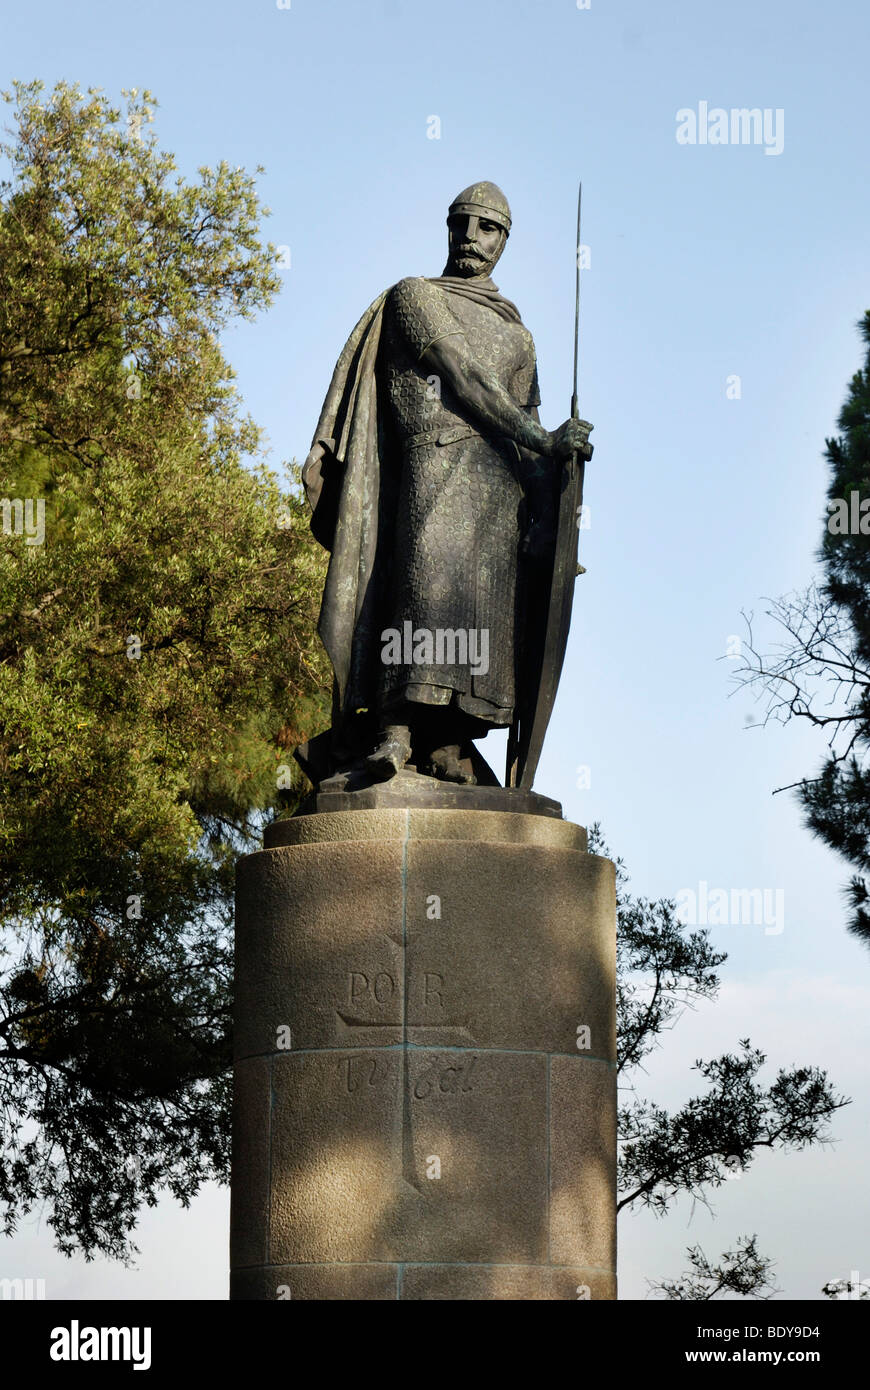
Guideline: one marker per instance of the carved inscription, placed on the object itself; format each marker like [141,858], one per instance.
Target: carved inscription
[364,1071]
[445,1076]
[365,988]
[433,984]
[377,1004]
[374,1002]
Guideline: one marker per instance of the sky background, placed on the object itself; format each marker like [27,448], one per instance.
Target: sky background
[706,262]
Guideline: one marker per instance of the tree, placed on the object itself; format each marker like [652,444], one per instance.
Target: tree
[157,657]
[742,1271]
[820,669]
[663,968]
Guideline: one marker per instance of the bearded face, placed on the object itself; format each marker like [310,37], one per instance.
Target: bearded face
[475,244]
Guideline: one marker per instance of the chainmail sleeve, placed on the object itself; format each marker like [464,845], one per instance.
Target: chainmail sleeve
[524,384]
[420,315]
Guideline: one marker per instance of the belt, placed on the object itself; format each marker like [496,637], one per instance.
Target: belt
[442,436]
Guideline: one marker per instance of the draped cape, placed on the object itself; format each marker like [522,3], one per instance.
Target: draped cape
[348,486]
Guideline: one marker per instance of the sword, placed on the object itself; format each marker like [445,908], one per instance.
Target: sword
[575,410]
[526,736]
[581,478]
[575,414]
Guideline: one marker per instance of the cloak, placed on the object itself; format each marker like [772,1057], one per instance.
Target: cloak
[351,491]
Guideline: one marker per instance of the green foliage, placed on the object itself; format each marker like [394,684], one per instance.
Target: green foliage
[157,657]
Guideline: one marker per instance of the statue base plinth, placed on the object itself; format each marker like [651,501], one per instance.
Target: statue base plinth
[355,791]
[425,1074]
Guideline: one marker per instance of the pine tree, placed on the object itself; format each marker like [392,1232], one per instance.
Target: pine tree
[820,672]
[837,802]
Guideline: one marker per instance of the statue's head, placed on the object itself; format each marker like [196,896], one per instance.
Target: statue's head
[478,222]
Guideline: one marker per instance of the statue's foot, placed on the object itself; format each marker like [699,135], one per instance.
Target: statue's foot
[391,754]
[447,764]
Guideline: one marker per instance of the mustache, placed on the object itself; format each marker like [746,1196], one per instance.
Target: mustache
[470,251]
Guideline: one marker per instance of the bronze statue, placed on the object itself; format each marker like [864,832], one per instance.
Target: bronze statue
[438,492]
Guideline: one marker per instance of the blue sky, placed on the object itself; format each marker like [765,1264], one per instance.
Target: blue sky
[707,261]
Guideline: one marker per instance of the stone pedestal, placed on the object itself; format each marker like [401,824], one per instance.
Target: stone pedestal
[425,1085]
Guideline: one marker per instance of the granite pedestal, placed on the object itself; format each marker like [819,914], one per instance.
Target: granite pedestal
[425,1084]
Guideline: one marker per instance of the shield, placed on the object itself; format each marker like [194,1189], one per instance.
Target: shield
[550,592]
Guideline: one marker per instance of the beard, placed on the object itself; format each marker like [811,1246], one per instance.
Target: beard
[468,260]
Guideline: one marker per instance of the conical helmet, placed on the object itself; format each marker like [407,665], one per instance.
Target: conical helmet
[484,200]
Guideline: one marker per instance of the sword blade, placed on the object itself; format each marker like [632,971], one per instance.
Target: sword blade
[531,739]
[575,415]
[526,737]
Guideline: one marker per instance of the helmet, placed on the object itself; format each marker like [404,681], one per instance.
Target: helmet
[484,200]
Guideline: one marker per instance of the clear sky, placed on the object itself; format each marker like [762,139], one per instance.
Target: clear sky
[708,261]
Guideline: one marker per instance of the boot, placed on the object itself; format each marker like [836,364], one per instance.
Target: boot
[446,764]
[391,754]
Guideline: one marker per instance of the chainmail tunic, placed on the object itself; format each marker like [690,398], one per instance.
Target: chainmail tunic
[457,526]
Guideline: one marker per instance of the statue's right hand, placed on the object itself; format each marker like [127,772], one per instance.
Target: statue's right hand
[572,438]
